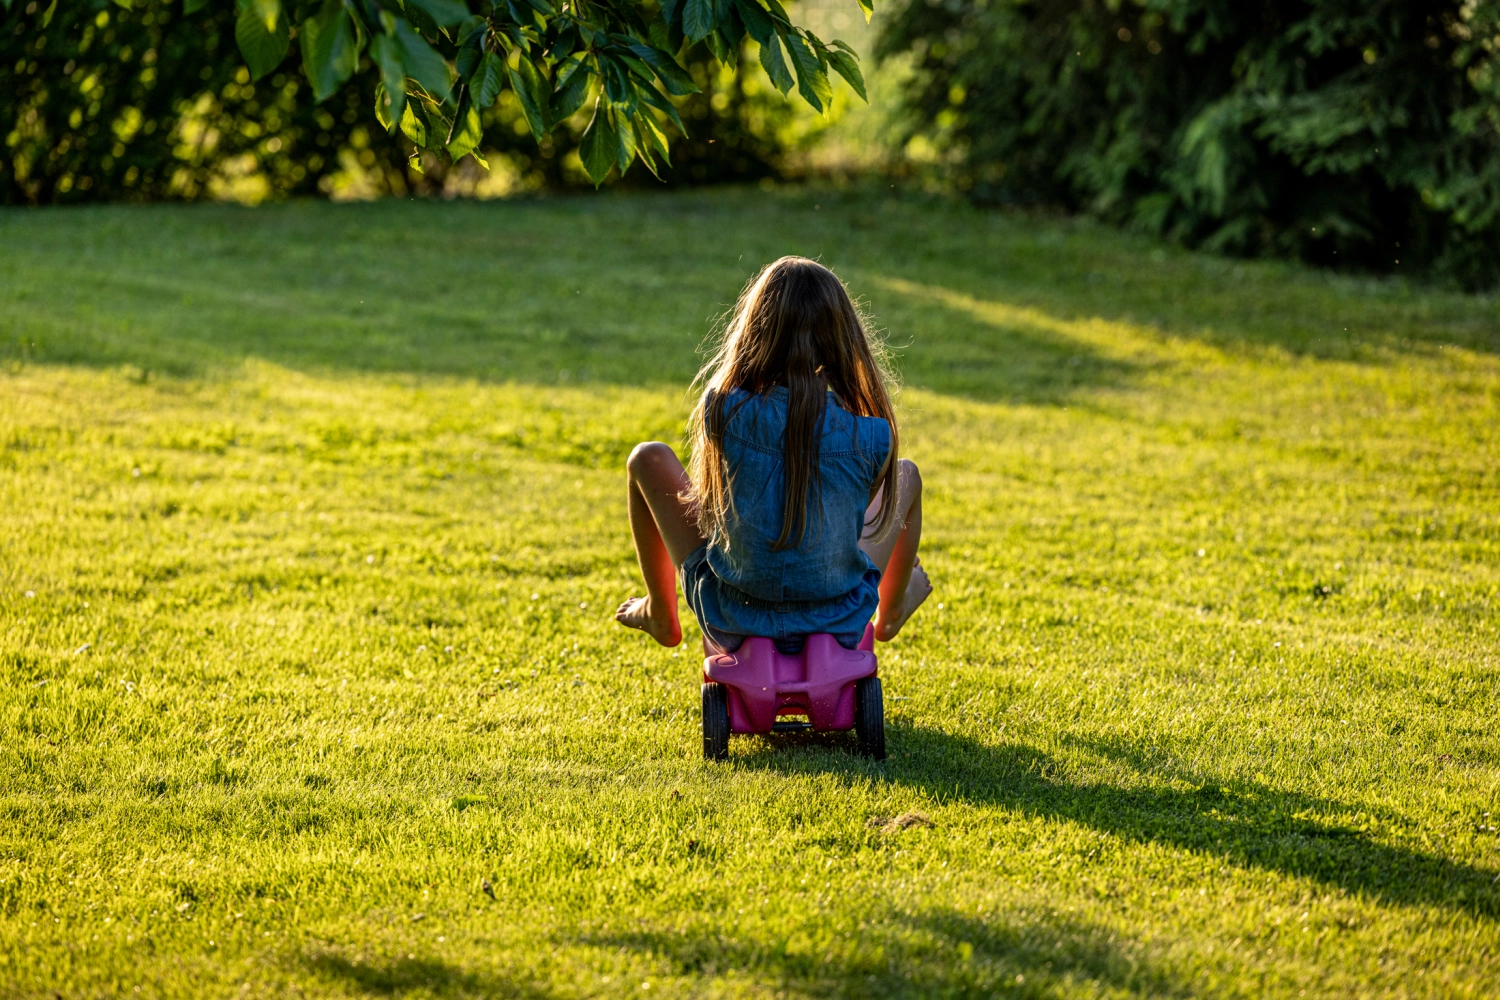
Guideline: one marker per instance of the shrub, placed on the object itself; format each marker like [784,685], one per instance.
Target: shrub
[1356,133]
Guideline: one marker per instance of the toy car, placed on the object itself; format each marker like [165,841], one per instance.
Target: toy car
[835,688]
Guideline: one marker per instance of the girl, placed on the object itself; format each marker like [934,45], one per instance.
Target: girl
[797,516]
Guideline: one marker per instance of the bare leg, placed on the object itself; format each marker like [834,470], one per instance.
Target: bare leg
[665,530]
[903,582]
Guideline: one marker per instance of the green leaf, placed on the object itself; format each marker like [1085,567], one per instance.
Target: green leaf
[263,49]
[414,127]
[381,111]
[416,17]
[812,78]
[269,11]
[757,21]
[524,15]
[487,81]
[52,9]
[673,77]
[439,124]
[720,47]
[676,79]
[599,146]
[666,107]
[848,68]
[467,131]
[636,66]
[421,61]
[660,33]
[778,13]
[387,55]
[444,13]
[330,54]
[697,18]
[534,73]
[571,97]
[726,20]
[575,63]
[617,86]
[655,138]
[513,33]
[467,61]
[526,82]
[471,25]
[643,149]
[868,7]
[775,65]
[625,151]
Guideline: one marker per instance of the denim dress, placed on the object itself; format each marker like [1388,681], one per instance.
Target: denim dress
[737,584]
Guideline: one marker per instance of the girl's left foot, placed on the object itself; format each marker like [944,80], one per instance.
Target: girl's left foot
[917,591]
[637,612]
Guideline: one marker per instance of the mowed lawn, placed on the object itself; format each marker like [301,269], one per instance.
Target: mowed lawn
[312,524]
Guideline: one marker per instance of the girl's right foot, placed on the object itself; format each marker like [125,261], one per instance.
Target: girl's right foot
[917,591]
[637,612]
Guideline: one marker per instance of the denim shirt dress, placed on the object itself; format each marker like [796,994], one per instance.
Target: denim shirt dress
[737,584]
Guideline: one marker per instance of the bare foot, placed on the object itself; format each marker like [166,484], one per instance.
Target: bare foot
[637,612]
[917,591]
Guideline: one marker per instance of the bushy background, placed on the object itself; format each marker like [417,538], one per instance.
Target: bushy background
[1361,134]
[1346,132]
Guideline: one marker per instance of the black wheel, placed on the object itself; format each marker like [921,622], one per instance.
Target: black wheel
[716,722]
[869,718]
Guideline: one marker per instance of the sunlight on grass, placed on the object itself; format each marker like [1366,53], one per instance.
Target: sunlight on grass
[1107,336]
[310,681]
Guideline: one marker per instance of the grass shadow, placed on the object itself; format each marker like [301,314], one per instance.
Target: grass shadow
[992,351]
[426,976]
[562,291]
[623,289]
[617,291]
[1240,822]
[1076,270]
[926,952]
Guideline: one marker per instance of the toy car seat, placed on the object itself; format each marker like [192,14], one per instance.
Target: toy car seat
[835,688]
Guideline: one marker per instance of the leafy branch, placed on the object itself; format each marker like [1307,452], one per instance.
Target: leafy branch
[442,62]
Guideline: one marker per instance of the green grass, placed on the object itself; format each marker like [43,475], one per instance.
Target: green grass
[311,521]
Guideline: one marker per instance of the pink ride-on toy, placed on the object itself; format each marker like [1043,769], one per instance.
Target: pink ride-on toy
[836,688]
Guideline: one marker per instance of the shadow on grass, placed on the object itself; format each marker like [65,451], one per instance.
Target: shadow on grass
[426,976]
[900,952]
[1240,822]
[188,292]
[622,290]
[993,351]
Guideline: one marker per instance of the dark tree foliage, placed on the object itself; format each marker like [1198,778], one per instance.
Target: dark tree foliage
[103,103]
[730,136]
[100,102]
[1359,133]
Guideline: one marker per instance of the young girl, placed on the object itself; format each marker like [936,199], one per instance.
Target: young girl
[797,516]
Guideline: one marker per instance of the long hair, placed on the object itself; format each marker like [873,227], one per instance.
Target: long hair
[794,326]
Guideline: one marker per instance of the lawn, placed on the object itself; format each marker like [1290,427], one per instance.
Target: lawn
[312,523]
